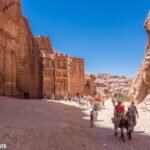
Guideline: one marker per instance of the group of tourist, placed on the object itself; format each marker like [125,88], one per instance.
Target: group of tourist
[130,115]
[97,102]
[87,101]
[124,119]
[119,110]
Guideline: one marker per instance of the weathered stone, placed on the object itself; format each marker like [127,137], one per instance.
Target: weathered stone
[75,76]
[109,84]
[45,44]
[141,83]
[62,74]
[29,67]
[90,86]
[20,59]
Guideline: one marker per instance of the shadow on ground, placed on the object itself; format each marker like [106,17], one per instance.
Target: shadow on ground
[43,125]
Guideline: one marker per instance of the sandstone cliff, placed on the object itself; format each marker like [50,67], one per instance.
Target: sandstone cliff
[141,83]
[106,83]
[62,74]
[20,61]
[29,67]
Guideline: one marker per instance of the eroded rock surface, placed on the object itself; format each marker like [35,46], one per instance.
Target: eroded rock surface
[20,62]
[63,75]
[29,67]
[141,83]
[110,84]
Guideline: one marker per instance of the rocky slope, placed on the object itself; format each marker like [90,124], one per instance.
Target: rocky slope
[141,83]
[111,84]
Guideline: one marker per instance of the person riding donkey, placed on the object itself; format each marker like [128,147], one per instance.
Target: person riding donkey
[92,118]
[119,112]
[124,121]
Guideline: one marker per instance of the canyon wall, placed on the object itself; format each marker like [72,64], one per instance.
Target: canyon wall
[29,67]
[141,84]
[62,75]
[76,76]
[20,61]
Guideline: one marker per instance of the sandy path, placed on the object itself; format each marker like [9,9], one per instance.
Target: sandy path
[104,131]
[44,125]
[104,135]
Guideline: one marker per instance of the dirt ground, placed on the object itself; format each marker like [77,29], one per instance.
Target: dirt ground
[50,125]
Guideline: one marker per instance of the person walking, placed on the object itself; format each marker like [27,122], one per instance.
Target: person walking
[134,113]
[92,119]
[97,99]
[113,100]
[95,110]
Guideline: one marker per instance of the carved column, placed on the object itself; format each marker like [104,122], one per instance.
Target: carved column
[7,72]
[1,70]
[13,55]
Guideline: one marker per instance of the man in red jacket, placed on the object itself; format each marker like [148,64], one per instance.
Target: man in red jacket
[119,110]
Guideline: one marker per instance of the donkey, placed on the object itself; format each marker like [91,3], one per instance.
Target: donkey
[125,122]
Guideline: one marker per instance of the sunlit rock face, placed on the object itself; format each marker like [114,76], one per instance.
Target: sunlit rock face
[141,83]
[76,76]
[110,84]
[62,75]
[20,64]
[29,67]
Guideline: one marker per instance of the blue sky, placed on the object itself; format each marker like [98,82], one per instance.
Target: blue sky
[108,34]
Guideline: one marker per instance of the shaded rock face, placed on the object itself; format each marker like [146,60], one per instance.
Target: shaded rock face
[141,83]
[90,86]
[109,84]
[20,64]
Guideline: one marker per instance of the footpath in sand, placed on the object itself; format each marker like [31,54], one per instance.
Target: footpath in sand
[50,125]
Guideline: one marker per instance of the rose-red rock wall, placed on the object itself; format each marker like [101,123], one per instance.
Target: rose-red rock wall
[76,76]
[45,44]
[20,63]
[29,68]
[62,74]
